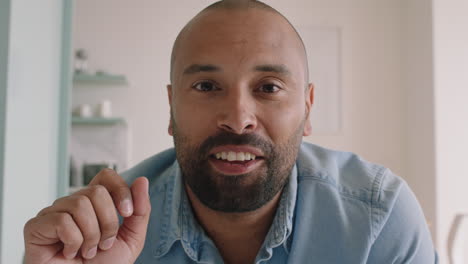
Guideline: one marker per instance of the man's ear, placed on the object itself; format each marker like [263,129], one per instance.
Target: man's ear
[309,102]
[169,97]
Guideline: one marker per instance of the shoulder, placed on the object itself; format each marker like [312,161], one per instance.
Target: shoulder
[350,179]
[346,172]
[359,203]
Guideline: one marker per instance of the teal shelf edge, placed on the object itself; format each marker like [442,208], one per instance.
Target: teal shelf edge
[99,78]
[97,121]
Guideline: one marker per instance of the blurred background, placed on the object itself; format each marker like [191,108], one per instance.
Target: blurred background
[83,86]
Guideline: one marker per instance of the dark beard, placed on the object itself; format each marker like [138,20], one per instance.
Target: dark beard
[239,193]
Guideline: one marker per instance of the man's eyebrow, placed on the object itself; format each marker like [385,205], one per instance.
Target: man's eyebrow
[196,68]
[276,68]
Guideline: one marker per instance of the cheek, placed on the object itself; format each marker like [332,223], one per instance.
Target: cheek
[194,120]
[281,121]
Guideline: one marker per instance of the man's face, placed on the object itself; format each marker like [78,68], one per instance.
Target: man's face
[239,107]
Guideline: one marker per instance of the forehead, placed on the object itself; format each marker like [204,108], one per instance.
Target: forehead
[241,36]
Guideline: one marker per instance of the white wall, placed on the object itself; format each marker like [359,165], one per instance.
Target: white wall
[418,84]
[4,33]
[451,110]
[31,118]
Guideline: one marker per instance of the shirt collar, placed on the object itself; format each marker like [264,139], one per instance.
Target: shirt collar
[282,225]
[179,223]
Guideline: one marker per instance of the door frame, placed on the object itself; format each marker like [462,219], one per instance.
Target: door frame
[64,119]
[4,51]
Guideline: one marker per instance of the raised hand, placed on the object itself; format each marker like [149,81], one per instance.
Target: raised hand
[84,227]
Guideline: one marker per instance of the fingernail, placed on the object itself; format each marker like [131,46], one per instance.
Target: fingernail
[126,207]
[106,244]
[91,253]
[70,255]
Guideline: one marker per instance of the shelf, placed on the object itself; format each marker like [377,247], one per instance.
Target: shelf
[96,121]
[102,78]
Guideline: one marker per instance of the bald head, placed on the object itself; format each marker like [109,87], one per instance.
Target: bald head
[240,4]
[235,6]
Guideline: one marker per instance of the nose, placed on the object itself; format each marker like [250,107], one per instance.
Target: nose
[237,113]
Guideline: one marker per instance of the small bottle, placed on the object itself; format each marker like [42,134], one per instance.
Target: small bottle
[74,181]
[81,61]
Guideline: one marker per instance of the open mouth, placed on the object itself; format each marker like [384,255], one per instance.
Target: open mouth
[235,162]
[232,156]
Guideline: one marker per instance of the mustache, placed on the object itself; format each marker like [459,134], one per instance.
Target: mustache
[227,138]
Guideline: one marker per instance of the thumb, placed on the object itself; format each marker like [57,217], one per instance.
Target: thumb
[133,229]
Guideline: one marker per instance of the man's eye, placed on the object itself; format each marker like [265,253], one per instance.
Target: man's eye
[269,88]
[205,86]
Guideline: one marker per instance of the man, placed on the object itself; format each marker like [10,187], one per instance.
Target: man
[240,186]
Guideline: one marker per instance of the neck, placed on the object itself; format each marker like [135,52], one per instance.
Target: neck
[238,236]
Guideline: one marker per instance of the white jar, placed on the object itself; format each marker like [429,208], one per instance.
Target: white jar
[85,110]
[105,109]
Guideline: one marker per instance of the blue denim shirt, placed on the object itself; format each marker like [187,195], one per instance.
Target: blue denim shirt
[336,208]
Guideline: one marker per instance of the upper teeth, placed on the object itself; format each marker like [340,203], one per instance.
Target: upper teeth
[235,156]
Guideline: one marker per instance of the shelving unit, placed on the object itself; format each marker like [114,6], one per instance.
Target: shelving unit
[96,139]
[97,121]
[102,78]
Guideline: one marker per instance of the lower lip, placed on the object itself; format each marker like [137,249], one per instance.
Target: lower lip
[235,168]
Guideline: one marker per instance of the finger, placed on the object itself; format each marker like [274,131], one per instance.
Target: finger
[105,212]
[118,189]
[133,229]
[82,211]
[49,229]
